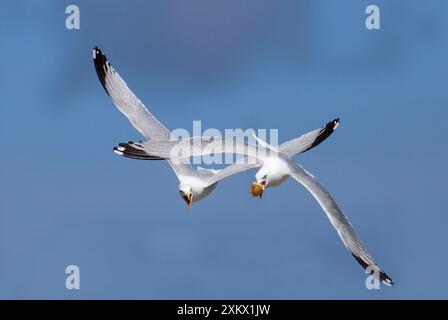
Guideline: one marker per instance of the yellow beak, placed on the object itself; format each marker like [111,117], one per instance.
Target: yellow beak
[257,189]
[188,198]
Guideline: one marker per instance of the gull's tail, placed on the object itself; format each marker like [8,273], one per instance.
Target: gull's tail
[134,150]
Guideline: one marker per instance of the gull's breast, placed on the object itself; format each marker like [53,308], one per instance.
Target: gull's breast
[278,171]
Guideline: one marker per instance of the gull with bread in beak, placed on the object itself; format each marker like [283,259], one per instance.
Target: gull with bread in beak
[276,166]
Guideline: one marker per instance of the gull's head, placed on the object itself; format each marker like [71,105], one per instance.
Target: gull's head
[259,185]
[186,192]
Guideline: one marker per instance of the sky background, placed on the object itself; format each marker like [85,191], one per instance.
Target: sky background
[65,198]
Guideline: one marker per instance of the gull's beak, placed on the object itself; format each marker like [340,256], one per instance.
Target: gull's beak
[188,198]
[257,189]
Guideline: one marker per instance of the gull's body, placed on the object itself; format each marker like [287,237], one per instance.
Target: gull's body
[276,166]
[194,183]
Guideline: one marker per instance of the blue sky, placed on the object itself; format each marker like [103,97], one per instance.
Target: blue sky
[288,65]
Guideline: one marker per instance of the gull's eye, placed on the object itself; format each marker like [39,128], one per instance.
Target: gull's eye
[263,182]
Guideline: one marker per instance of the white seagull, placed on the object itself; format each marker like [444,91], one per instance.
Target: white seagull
[276,166]
[194,183]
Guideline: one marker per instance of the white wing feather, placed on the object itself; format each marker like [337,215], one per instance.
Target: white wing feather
[131,106]
[339,221]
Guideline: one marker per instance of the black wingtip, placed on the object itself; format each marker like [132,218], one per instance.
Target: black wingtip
[134,151]
[383,277]
[324,133]
[117,151]
[98,54]
[386,279]
[333,124]
[100,62]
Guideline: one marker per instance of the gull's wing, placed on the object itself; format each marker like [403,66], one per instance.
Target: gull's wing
[232,169]
[308,140]
[126,101]
[131,106]
[138,150]
[190,147]
[339,221]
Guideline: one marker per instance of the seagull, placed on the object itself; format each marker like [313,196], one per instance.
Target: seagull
[194,183]
[276,165]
